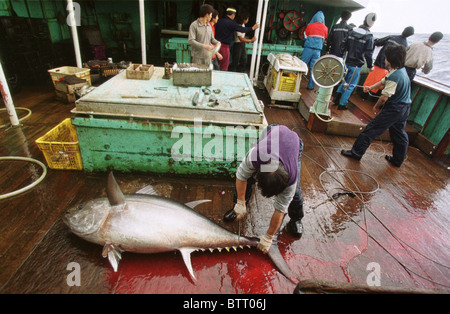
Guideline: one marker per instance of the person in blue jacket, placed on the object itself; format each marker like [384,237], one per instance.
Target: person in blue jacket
[315,33]
[396,102]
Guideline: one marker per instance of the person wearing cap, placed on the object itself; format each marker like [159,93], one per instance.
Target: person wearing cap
[395,101]
[420,55]
[201,36]
[315,33]
[338,34]
[225,29]
[380,69]
[274,163]
[359,48]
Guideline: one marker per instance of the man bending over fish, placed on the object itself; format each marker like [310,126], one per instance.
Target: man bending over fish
[275,164]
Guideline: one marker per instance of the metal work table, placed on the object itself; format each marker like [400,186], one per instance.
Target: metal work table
[158,98]
[152,126]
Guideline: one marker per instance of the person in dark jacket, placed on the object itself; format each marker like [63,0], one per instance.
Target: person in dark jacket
[359,48]
[380,69]
[315,33]
[391,40]
[395,100]
[225,29]
[338,34]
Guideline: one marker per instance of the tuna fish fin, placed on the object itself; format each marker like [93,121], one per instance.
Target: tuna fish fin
[196,203]
[115,195]
[114,253]
[276,257]
[148,190]
[186,253]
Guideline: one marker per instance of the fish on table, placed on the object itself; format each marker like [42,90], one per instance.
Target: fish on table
[148,223]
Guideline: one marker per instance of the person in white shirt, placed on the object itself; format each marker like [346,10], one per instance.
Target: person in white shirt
[420,55]
[239,57]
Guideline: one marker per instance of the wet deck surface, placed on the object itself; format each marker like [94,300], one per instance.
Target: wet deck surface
[404,210]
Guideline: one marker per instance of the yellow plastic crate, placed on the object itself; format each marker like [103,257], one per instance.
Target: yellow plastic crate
[60,147]
[60,72]
[287,81]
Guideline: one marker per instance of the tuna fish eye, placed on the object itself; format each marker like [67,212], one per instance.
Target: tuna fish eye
[80,207]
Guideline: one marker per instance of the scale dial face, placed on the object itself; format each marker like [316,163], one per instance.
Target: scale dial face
[328,71]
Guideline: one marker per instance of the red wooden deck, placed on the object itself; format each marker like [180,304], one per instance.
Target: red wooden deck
[399,222]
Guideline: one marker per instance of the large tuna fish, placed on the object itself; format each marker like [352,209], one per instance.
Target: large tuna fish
[148,223]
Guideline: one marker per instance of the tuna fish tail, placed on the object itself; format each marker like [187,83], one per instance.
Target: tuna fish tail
[276,257]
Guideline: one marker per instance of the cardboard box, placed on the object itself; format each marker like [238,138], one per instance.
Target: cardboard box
[192,74]
[140,71]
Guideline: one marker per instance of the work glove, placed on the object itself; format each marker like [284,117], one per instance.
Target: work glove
[240,209]
[265,242]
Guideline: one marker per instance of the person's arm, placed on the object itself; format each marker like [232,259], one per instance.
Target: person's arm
[329,41]
[377,85]
[241,187]
[368,53]
[379,104]
[383,98]
[244,172]
[381,41]
[427,67]
[246,40]
[275,222]
[238,28]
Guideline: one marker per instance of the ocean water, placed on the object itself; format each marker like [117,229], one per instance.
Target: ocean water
[441,56]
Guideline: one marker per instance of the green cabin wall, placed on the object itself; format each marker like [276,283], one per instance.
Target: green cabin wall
[124,15]
[429,111]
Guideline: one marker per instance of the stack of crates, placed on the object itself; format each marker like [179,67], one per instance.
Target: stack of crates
[63,91]
[283,79]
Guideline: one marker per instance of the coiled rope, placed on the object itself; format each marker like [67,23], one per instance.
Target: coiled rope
[358,194]
[33,184]
[21,119]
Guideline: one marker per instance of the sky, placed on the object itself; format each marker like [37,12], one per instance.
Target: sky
[426,16]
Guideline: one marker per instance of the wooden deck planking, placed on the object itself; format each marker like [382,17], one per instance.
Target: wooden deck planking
[32,232]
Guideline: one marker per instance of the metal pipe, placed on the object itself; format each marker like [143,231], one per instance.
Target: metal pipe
[255,43]
[142,19]
[7,98]
[263,26]
[73,27]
